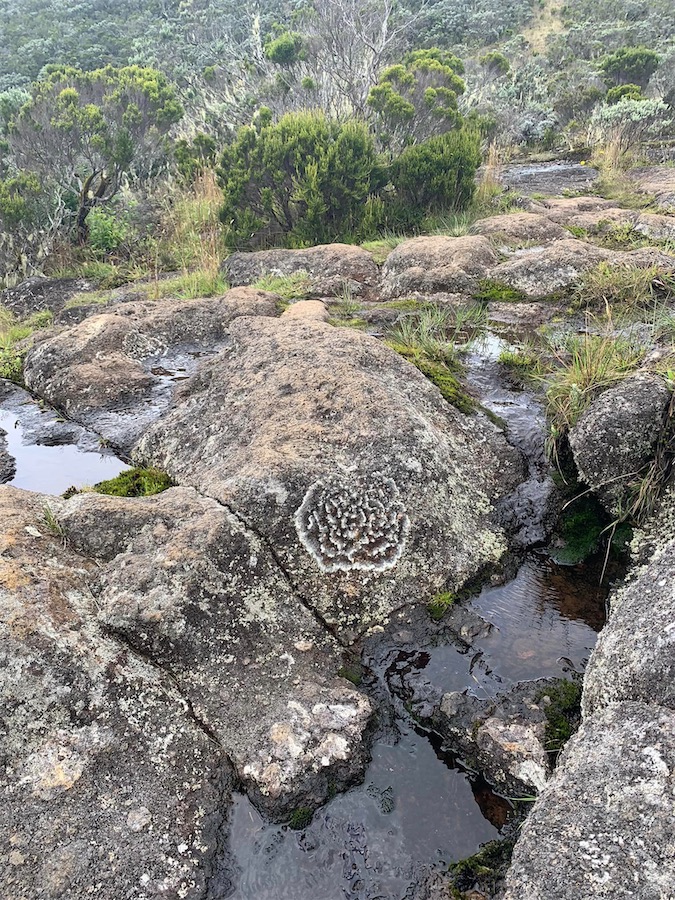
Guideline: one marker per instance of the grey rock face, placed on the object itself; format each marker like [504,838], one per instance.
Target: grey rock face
[518,228]
[634,658]
[106,779]
[7,461]
[329,267]
[435,265]
[540,272]
[189,587]
[114,372]
[37,294]
[603,826]
[615,437]
[345,459]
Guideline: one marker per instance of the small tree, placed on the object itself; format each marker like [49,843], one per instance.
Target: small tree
[84,131]
[302,181]
[630,65]
[417,99]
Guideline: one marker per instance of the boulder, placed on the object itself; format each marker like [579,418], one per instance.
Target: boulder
[186,585]
[7,461]
[519,228]
[563,209]
[616,436]
[37,294]
[634,658]
[655,227]
[114,372]
[659,181]
[543,271]
[107,778]
[370,489]
[603,826]
[306,309]
[531,178]
[436,265]
[331,268]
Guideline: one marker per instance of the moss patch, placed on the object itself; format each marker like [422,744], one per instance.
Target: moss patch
[563,713]
[135,483]
[579,531]
[440,605]
[492,291]
[301,818]
[484,870]
[439,374]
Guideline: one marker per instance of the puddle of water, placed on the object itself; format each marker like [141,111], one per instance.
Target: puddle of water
[52,469]
[377,841]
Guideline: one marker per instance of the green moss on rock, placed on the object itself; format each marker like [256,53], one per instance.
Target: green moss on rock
[492,291]
[135,483]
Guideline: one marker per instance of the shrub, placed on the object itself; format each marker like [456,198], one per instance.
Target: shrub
[438,174]
[193,157]
[629,91]
[285,50]
[302,181]
[634,65]
[107,231]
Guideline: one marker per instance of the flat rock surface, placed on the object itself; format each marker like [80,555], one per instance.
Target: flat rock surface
[188,586]
[115,372]
[345,459]
[520,228]
[603,826]
[106,778]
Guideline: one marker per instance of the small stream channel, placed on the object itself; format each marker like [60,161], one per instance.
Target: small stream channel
[419,808]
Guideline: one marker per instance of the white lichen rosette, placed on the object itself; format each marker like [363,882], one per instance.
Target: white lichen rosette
[353,523]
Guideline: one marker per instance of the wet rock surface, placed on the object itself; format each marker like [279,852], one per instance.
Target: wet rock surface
[113,372]
[548,178]
[331,268]
[345,459]
[615,438]
[106,777]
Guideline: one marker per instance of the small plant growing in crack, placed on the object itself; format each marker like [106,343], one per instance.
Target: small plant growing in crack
[52,524]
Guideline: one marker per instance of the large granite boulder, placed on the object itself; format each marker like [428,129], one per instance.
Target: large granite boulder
[519,228]
[544,271]
[114,372]
[37,294]
[330,268]
[634,658]
[437,265]
[370,489]
[616,436]
[603,826]
[186,585]
[108,782]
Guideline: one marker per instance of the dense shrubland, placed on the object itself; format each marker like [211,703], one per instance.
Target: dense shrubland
[325,119]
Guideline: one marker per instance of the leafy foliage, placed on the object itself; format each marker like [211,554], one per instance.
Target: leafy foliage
[630,65]
[304,180]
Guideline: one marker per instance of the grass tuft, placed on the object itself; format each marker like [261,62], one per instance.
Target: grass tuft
[135,483]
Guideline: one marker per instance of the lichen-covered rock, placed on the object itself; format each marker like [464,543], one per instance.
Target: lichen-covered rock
[519,228]
[563,209]
[603,826]
[615,437]
[655,227]
[504,737]
[107,780]
[437,265]
[36,294]
[187,585]
[330,268]
[551,178]
[115,372]
[634,658]
[372,491]
[307,309]
[543,271]
[7,461]
[658,181]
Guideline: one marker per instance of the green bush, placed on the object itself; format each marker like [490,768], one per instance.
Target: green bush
[301,181]
[107,231]
[285,50]
[192,157]
[629,91]
[630,65]
[438,174]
